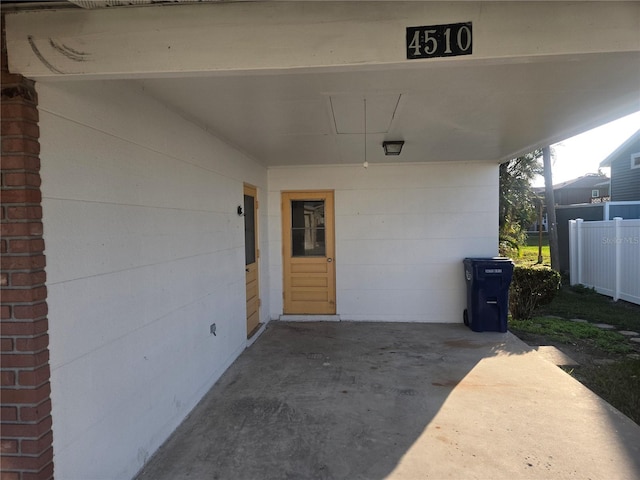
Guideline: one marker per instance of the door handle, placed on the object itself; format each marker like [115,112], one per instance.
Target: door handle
[246,270]
[329,260]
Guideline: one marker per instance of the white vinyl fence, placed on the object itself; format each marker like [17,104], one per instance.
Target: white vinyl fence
[606,256]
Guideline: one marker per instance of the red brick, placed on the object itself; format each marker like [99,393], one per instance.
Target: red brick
[45,474]
[21,195]
[20,145]
[22,92]
[17,127]
[28,279]
[9,414]
[20,205]
[27,463]
[18,179]
[32,245]
[14,229]
[24,360]
[34,378]
[8,446]
[8,378]
[29,163]
[26,395]
[20,229]
[33,414]
[22,213]
[11,78]
[6,344]
[24,295]
[19,110]
[26,312]
[32,447]
[32,344]
[27,327]
[17,360]
[10,476]
[26,430]
[23,262]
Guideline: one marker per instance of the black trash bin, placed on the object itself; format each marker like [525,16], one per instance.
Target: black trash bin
[488,281]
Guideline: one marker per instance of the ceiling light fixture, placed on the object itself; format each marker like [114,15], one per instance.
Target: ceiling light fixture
[392,148]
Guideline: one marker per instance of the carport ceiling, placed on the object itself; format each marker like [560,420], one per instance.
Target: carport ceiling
[287,82]
[465,111]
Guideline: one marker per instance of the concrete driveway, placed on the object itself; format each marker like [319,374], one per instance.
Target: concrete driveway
[397,401]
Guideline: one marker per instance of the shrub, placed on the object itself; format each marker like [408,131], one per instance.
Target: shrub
[531,288]
[508,247]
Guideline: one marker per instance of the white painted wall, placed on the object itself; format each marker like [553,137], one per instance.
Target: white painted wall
[144,251]
[402,232]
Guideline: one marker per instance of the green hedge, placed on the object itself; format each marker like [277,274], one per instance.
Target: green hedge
[530,288]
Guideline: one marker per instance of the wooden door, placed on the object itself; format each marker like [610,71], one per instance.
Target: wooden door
[251,255]
[308,253]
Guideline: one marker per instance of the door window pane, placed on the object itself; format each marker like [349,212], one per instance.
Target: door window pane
[249,231]
[307,228]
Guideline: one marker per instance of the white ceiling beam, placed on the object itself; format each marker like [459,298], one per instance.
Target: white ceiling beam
[179,40]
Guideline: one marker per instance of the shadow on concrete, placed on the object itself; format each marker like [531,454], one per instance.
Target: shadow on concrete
[367,401]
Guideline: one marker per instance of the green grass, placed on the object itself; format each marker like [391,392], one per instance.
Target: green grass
[618,384]
[527,255]
[565,331]
[580,302]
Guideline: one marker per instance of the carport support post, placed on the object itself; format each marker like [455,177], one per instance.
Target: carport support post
[27,438]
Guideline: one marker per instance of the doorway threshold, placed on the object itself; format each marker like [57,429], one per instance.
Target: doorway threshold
[309,318]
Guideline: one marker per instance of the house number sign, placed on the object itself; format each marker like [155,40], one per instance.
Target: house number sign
[439,41]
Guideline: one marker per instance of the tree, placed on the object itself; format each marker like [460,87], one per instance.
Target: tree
[551,210]
[517,205]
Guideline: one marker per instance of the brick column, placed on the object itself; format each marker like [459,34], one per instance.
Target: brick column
[26,445]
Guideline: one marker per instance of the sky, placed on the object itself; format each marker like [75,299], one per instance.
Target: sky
[582,154]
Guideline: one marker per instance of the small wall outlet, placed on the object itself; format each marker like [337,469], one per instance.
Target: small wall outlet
[212,328]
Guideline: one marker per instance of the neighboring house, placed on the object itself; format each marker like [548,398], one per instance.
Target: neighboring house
[589,188]
[623,201]
[193,172]
[625,170]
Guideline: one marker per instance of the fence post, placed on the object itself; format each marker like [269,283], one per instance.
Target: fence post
[579,250]
[573,267]
[617,221]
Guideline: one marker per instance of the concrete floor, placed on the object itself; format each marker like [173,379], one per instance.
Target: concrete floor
[397,401]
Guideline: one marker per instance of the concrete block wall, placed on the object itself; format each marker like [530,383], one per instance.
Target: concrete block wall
[402,232]
[146,251]
[26,445]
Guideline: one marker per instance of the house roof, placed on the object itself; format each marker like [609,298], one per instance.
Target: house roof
[586,181]
[609,160]
[590,180]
